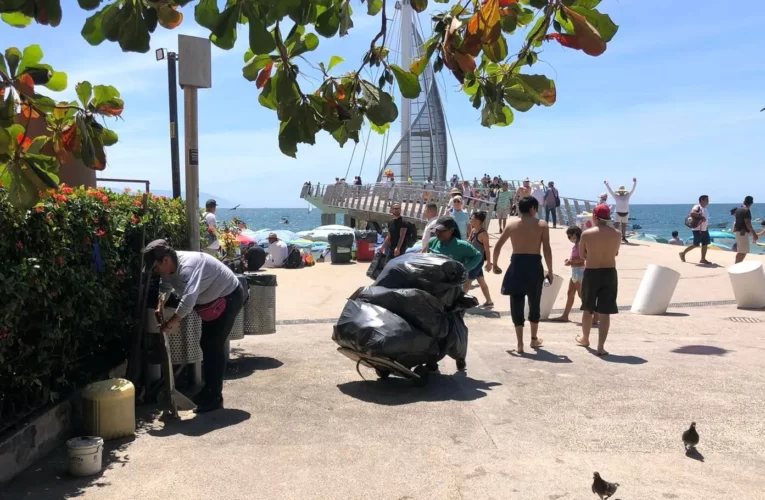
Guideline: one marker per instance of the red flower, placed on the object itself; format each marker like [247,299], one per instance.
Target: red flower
[60,261]
[137,203]
[53,294]
[135,220]
[100,233]
[67,190]
[105,200]
[19,245]
[120,272]
[127,190]
[39,209]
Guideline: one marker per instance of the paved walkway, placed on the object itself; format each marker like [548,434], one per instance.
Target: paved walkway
[300,423]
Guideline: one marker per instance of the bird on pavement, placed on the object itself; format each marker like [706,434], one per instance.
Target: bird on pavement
[691,437]
[601,487]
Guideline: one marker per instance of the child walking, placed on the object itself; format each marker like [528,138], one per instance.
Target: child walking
[576,263]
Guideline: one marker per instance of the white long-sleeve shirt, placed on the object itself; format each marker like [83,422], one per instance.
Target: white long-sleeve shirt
[622,201]
[199,279]
[428,232]
[277,254]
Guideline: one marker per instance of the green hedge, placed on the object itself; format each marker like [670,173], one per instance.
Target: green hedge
[65,313]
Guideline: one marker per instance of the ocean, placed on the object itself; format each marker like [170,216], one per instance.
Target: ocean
[658,220]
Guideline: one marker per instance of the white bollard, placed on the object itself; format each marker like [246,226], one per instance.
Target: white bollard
[549,295]
[748,281]
[655,291]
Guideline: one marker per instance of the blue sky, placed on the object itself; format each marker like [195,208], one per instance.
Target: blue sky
[674,101]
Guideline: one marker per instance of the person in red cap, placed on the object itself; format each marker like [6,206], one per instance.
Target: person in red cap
[599,247]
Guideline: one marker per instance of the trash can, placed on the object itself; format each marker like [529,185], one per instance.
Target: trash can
[365,245]
[340,246]
[237,331]
[260,310]
[183,339]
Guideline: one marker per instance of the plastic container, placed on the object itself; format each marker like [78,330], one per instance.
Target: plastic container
[655,291]
[85,455]
[341,246]
[365,251]
[108,409]
[748,281]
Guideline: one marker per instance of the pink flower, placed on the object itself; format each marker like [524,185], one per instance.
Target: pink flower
[19,245]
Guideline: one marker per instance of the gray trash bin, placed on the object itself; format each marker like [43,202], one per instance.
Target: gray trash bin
[237,331]
[260,311]
[183,339]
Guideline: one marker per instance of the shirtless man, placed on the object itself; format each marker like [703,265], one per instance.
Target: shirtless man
[525,276]
[521,192]
[599,247]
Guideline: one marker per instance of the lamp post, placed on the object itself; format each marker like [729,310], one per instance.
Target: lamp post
[172,87]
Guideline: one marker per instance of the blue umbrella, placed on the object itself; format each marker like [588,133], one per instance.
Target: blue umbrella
[284,235]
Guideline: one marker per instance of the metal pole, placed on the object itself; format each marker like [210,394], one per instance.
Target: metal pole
[190,124]
[407,38]
[172,87]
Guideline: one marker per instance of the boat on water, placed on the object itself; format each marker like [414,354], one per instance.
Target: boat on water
[284,220]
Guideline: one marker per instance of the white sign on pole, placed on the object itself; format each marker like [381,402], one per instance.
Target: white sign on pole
[194,62]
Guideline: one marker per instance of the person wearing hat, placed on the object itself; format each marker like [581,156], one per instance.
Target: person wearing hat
[277,251]
[622,201]
[448,242]
[209,287]
[599,248]
[213,245]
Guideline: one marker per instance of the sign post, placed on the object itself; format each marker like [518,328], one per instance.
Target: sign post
[194,72]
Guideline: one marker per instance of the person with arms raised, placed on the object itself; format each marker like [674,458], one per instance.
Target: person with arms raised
[525,276]
[622,200]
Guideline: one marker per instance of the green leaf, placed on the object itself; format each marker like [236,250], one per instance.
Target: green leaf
[334,61]
[261,41]
[49,12]
[328,23]
[419,5]
[408,83]
[89,4]
[523,15]
[380,129]
[289,133]
[564,21]
[605,27]
[255,64]
[508,23]
[537,4]
[496,114]
[109,137]
[206,13]
[374,7]
[307,43]
[346,23]
[58,81]
[16,19]
[6,142]
[418,66]
[540,88]
[224,33]
[13,56]
[518,99]
[587,4]
[32,57]
[497,51]
[3,67]
[267,97]
[84,92]
[134,35]
[37,145]
[92,30]
[103,94]
[380,106]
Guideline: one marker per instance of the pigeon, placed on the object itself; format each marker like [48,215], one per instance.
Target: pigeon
[691,437]
[601,487]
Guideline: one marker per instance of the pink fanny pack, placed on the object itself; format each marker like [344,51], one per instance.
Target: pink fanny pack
[212,310]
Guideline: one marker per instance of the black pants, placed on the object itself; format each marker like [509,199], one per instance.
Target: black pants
[213,342]
[554,213]
[524,278]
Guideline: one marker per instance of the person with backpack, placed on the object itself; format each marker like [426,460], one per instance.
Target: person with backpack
[399,232]
[552,202]
[277,251]
[698,222]
[209,221]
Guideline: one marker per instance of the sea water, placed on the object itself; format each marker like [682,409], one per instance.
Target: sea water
[658,220]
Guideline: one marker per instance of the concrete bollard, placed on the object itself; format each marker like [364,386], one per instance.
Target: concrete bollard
[656,290]
[748,281]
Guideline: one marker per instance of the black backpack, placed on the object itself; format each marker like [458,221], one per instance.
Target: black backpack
[411,234]
[294,258]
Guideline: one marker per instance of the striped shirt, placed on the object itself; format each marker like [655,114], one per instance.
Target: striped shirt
[503,199]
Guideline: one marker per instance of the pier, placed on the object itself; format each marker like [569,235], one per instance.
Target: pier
[371,202]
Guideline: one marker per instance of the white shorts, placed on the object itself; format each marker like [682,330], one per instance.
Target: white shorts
[742,243]
[502,213]
[621,218]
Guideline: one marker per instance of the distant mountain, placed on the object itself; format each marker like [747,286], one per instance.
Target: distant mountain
[203,197]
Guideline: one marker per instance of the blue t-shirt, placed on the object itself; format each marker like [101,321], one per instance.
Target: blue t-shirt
[463,221]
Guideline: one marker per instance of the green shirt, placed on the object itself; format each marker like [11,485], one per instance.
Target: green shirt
[459,250]
[503,199]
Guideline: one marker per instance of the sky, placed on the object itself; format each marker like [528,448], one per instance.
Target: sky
[675,102]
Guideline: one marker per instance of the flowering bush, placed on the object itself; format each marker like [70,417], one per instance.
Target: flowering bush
[69,286]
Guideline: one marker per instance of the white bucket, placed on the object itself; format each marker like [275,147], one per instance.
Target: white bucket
[85,455]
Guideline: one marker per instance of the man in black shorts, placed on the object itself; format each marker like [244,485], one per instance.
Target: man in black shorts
[599,247]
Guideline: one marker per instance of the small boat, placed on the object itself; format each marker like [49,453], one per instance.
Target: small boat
[284,220]
[636,226]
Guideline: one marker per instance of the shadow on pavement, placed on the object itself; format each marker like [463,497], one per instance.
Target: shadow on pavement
[244,366]
[540,354]
[675,315]
[49,479]
[701,350]
[616,358]
[694,454]
[201,424]
[397,391]
[486,313]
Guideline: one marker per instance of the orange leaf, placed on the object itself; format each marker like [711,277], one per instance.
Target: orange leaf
[68,135]
[588,37]
[340,92]
[485,22]
[23,142]
[570,41]
[264,76]
[465,62]
[28,111]
[110,109]
[25,85]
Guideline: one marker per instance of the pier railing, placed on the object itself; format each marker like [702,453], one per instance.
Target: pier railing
[377,199]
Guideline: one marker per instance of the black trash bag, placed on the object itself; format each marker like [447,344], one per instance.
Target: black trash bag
[420,309]
[377,265]
[456,344]
[436,274]
[375,331]
[463,303]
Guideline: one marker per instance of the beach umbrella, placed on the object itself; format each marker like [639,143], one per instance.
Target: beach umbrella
[243,239]
[282,234]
